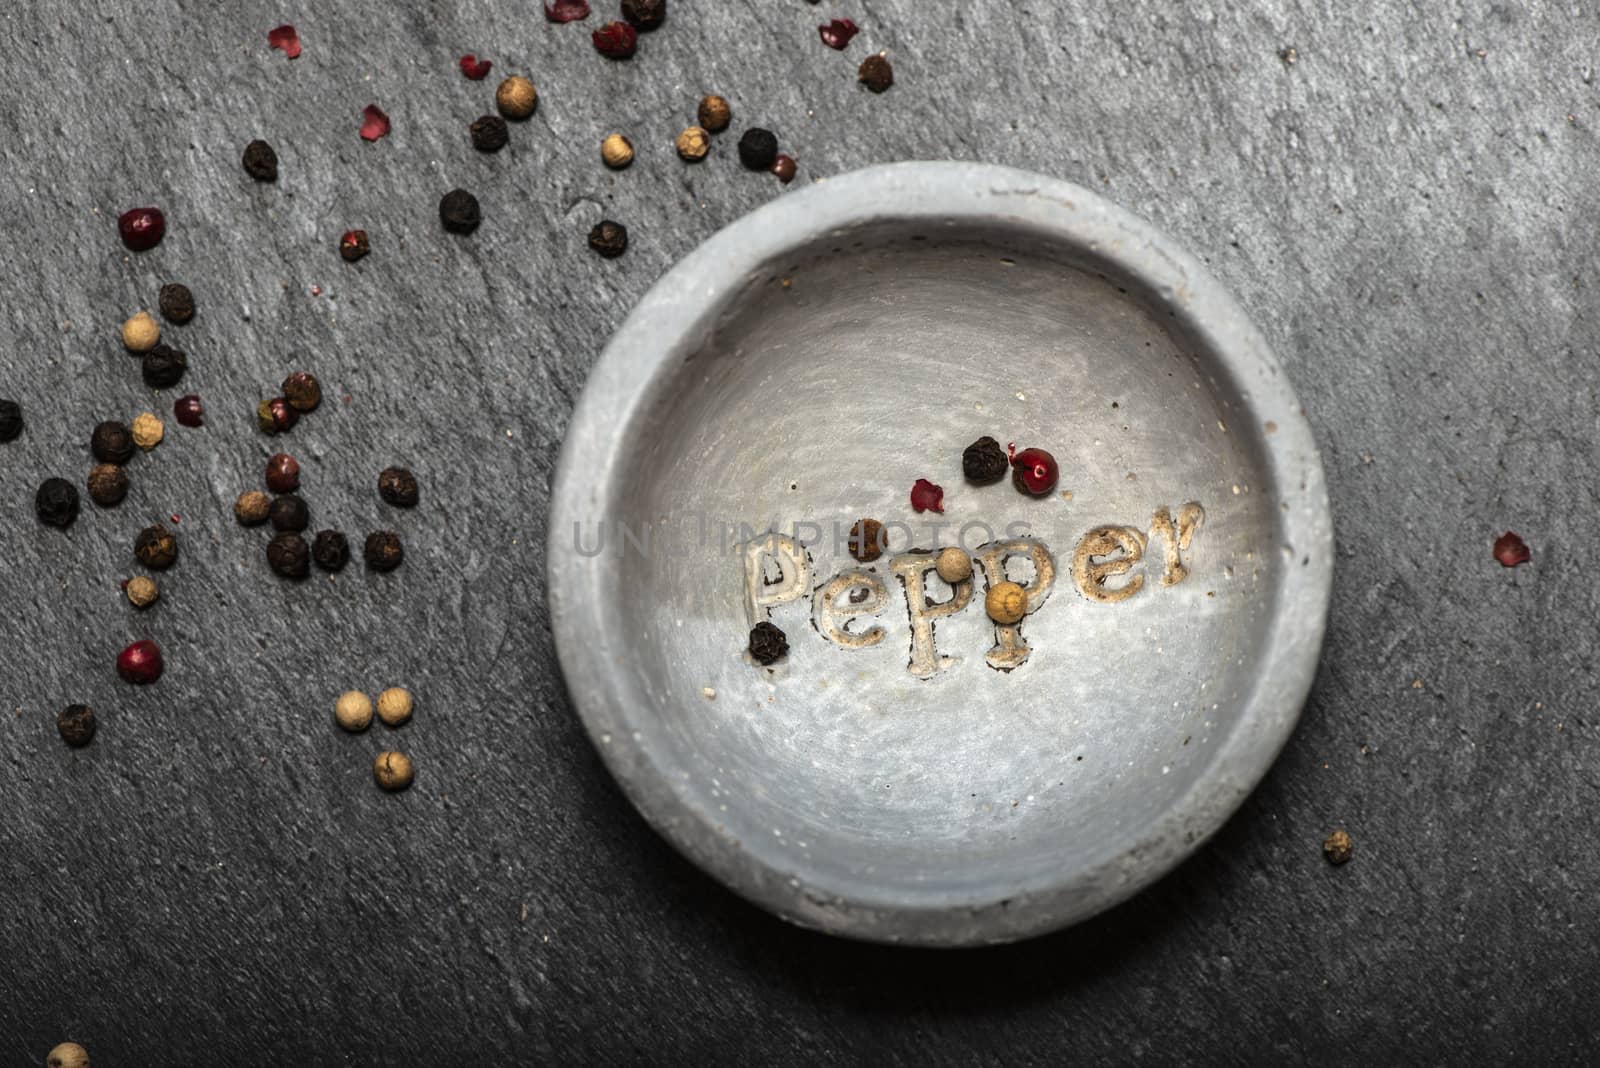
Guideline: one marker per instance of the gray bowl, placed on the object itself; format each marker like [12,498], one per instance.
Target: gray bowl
[911,771]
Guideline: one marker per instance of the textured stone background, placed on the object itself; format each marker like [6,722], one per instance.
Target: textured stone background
[1407,211]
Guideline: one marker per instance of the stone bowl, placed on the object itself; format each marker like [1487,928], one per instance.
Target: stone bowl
[911,770]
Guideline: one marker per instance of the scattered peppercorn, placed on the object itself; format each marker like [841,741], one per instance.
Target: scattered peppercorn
[76,724]
[984,462]
[353,711]
[608,238]
[616,151]
[398,486]
[394,706]
[56,502]
[302,391]
[1338,847]
[489,133]
[10,420]
[141,332]
[393,771]
[283,473]
[693,144]
[785,167]
[715,113]
[111,442]
[645,14]
[260,161]
[953,565]
[67,1055]
[1034,472]
[354,245]
[142,591]
[289,556]
[458,210]
[615,40]
[108,485]
[331,550]
[516,98]
[838,34]
[252,508]
[876,73]
[164,366]
[156,547]
[276,416]
[188,411]
[289,512]
[767,643]
[176,302]
[926,496]
[866,540]
[141,663]
[1006,603]
[383,551]
[758,148]
[148,430]
[142,228]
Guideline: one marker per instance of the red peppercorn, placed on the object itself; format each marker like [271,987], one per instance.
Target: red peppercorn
[187,410]
[142,228]
[925,496]
[1033,471]
[140,663]
[354,245]
[615,40]
[785,167]
[276,416]
[283,473]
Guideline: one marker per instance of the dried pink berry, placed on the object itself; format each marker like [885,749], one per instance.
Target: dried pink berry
[615,40]
[286,38]
[1511,550]
[566,10]
[837,34]
[142,228]
[374,123]
[474,68]
[926,496]
[140,663]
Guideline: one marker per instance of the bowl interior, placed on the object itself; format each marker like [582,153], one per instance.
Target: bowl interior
[969,763]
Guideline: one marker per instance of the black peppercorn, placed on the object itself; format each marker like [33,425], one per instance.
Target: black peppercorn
[608,238]
[288,555]
[176,302]
[164,366]
[289,512]
[489,133]
[398,486]
[458,210]
[876,73]
[76,724]
[758,148]
[56,502]
[156,547]
[331,550]
[645,14]
[111,442]
[108,484]
[302,391]
[260,161]
[984,461]
[10,420]
[767,643]
[383,551]
[276,416]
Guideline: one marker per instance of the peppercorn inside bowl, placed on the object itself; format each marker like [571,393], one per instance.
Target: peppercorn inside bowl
[938,555]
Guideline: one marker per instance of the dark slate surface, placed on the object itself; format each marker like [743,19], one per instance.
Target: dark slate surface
[1407,211]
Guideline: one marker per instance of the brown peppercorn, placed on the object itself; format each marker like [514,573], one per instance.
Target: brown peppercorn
[260,161]
[1006,603]
[1338,847]
[141,333]
[112,442]
[142,591]
[147,431]
[289,512]
[609,238]
[353,711]
[394,706]
[489,133]
[276,416]
[302,391]
[866,540]
[693,144]
[156,547]
[76,724]
[283,473]
[252,508]
[984,462]
[516,98]
[785,167]
[331,550]
[392,770]
[715,113]
[383,551]
[289,556]
[767,643]
[398,487]
[176,303]
[645,14]
[616,152]
[108,485]
[953,565]
[876,73]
